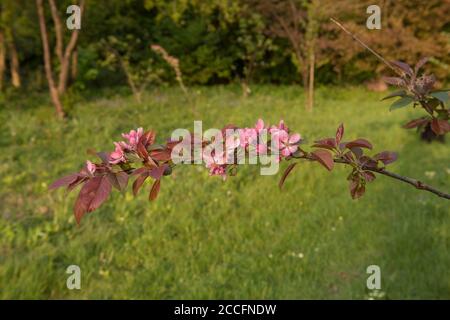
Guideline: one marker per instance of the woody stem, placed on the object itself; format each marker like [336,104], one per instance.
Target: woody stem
[414,182]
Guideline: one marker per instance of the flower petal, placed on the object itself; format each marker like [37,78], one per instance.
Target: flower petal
[294,138]
[259,124]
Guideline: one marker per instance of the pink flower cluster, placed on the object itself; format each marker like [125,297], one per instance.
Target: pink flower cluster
[257,141]
[118,155]
[217,160]
[252,139]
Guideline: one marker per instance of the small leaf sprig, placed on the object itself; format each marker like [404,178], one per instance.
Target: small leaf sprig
[418,89]
[333,150]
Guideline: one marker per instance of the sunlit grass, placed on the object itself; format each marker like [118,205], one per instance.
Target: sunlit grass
[205,238]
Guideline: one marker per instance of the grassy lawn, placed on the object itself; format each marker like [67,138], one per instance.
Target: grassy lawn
[204,238]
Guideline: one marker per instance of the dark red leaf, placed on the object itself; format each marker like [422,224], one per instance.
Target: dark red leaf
[157,172]
[357,189]
[104,156]
[64,181]
[445,125]
[80,208]
[416,123]
[122,178]
[148,138]
[386,157]
[349,156]
[339,133]
[440,126]
[85,197]
[362,143]
[155,147]
[393,81]
[328,143]
[138,183]
[142,152]
[420,64]
[93,193]
[161,155]
[286,173]
[140,171]
[150,163]
[171,144]
[74,184]
[404,67]
[155,190]
[368,176]
[357,151]
[368,162]
[118,180]
[325,158]
[101,194]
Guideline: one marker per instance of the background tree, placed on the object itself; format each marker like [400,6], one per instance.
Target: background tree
[409,30]
[216,41]
[139,70]
[254,44]
[2,58]
[63,54]
[298,22]
[8,47]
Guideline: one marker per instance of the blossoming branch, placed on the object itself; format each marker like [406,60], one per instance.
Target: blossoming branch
[138,156]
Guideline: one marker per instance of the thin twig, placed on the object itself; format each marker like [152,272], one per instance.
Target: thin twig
[365,46]
[414,182]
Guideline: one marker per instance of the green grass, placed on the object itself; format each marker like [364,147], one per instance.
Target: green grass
[204,238]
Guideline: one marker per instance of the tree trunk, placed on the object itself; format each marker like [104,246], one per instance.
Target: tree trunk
[14,64]
[74,69]
[312,29]
[2,58]
[71,46]
[47,61]
[63,75]
[311,81]
[245,88]
[64,57]
[305,84]
[58,30]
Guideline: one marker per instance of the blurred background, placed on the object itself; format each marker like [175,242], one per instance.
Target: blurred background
[220,62]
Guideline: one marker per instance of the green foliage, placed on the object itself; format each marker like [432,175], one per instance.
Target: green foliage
[205,238]
[211,50]
[219,41]
[402,102]
[137,65]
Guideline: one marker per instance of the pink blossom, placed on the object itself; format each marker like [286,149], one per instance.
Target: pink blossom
[90,167]
[253,137]
[281,127]
[133,138]
[215,161]
[259,125]
[261,149]
[247,135]
[286,144]
[218,170]
[213,157]
[117,155]
[232,143]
